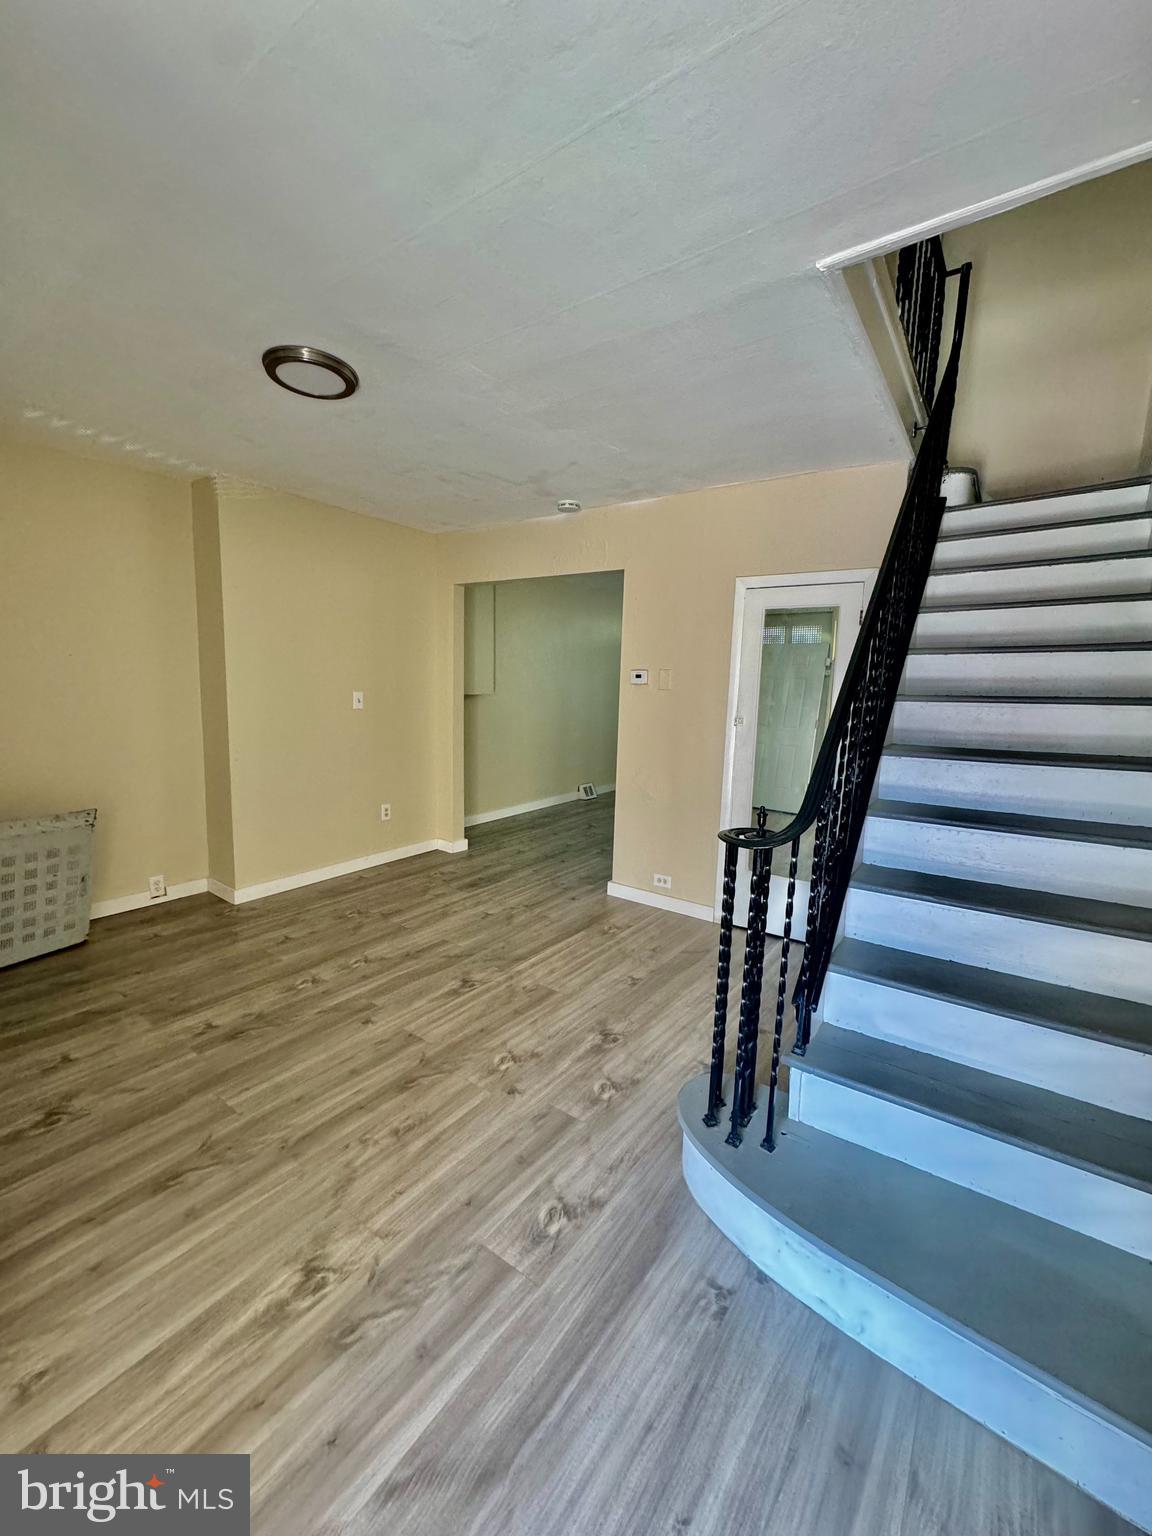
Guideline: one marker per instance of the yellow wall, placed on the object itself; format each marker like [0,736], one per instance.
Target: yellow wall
[99,691]
[318,602]
[680,556]
[1057,368]
[550,722]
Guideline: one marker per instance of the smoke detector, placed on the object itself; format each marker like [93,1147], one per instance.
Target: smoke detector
[567,506]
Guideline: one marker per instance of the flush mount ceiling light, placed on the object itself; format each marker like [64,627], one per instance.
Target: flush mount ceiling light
[308,371]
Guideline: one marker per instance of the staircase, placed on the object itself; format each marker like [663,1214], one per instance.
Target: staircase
[962,1178]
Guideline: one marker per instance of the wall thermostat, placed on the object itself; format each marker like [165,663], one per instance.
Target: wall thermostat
[638,675]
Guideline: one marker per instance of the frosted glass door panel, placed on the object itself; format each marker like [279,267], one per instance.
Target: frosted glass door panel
[795,686]
[794,648]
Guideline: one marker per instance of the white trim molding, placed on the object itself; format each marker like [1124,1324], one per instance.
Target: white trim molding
[987,207]
[248,893]
[140,899]
[531,805]
[664,903]
[744,585]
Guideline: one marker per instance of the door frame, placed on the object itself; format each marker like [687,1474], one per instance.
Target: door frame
[744,585]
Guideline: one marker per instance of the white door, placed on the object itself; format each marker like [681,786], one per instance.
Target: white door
[795,644]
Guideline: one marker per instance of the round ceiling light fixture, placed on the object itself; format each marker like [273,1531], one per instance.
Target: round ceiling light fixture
[311,372]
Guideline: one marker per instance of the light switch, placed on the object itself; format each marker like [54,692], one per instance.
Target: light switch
[665,678]
[638,676]
[357,701]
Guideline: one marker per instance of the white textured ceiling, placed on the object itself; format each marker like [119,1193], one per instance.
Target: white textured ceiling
[568,244]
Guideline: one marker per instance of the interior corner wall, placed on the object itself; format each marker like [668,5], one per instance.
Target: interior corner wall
[213,683]
[549,722]
[1056,374]
[317,603]
[680,556]
[99,687]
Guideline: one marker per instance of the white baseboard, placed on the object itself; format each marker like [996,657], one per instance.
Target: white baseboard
[274,887]
[665,903]
[531,805]
[142,899]
[333,871]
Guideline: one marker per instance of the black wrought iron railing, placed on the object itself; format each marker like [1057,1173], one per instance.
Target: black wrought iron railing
[921,273]
[836,799]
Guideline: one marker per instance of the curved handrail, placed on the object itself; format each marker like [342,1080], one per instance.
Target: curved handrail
[939,423]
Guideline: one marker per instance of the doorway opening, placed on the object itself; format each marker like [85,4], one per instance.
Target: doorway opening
[541,699]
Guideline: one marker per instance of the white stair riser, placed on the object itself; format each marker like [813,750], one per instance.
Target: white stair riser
[1107,674]
[1120,729]
[1034,582]
[1075,1197]
[1032,789]
[1088,623]
[1112,964]
[979,518]
[1099,871]
[1133,533]
[1093,1071]
[1087,1447]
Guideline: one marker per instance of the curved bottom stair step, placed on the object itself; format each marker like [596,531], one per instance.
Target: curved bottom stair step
[1040,1333]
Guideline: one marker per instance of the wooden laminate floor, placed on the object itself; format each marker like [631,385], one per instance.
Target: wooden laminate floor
[379,1182]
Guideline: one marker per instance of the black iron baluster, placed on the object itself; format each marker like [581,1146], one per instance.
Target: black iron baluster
[920,274]
[749,999]
[769,1142]
[816,888]
[723,971]
[748,1104]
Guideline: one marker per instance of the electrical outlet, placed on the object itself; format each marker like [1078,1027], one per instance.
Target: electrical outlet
[665,681]
[157,886]
[664,882]
[385,811]
[357,700]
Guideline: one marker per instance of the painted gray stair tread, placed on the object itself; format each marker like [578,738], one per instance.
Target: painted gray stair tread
[1031,648]
[1072,699]
[1089,557]
[1039,602]
[1036,602]
[1035,906]
[1118,834]
[1101,486]
[1114,1020]
[1106,1142]
[1012,755]
[1139,514]
[1070,1310]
